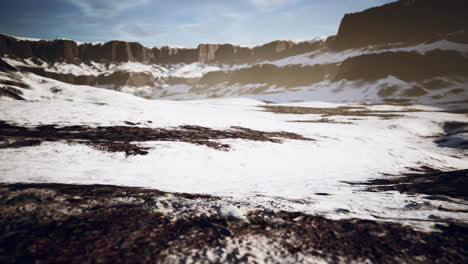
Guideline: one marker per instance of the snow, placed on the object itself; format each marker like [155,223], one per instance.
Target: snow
[193,70]
[68,68]
[37,39]
[272,175]
[23,39]
[438,45]
[320,56]
[253,249]
[360,91]
[324,56]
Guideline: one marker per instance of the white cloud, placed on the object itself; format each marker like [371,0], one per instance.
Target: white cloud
[192,26]
[267,5]
[105,7]
[134,30]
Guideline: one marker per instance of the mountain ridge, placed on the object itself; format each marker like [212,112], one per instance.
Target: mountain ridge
[122,51]
[386,64]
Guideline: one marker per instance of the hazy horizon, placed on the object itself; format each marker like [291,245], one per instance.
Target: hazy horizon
[179,22]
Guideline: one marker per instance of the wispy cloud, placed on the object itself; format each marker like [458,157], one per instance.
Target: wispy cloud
[269,5]
[134,30]
[106,7]
[177,22]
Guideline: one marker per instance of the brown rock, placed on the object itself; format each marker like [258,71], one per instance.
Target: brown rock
[407,66]
[404,21]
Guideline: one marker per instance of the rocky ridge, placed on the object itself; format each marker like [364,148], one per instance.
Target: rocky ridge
[122,51]
[421,44]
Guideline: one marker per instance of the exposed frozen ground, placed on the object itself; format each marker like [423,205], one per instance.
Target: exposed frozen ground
[291,176]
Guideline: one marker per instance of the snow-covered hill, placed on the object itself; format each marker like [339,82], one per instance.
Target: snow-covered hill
[323,74]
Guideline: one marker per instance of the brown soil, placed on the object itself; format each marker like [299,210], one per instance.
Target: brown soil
[11,92]
[435,183]
[321,121]
[387,90]
[15,83]
[123,138]
[54,223]
[397,101]
[452,136]
[414,91]
[337,111]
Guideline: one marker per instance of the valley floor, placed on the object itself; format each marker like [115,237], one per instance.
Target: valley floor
[250,166]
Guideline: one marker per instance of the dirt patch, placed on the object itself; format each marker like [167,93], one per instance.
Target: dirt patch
[323,120]
[414,92]
[11,92]
[456,91]
[6,143]
[51,223]
[15,83]
[406,66]
[397,101]
[337,111]
[434,183]
[436,84]
[463,111]
[123,138]
[455,135]
[387,90]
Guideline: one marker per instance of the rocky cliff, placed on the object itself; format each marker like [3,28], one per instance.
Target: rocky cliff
[268,74]
[406,66]
[405,21]
[121,51]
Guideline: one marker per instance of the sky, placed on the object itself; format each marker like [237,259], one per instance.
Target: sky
[184,23]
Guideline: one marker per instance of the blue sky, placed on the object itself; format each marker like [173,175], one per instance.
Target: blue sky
[177,22]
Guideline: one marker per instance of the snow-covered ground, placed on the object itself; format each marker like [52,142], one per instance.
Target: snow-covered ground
[365,91]
[324,56]
[292,176]
[181,70]
[327,91]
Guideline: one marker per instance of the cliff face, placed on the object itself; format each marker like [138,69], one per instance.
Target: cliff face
[48,50]
[405,21]
[407,66]
[121,51]
[268,74]
[224,53]
[68,50]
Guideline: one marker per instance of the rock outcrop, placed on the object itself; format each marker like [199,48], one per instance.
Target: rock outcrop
[405,21]
[224,53]
[116,79]
[172,55]
[407,66]
[268,74]
[234,54]
[47,50]
[121,51]
[4,66]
